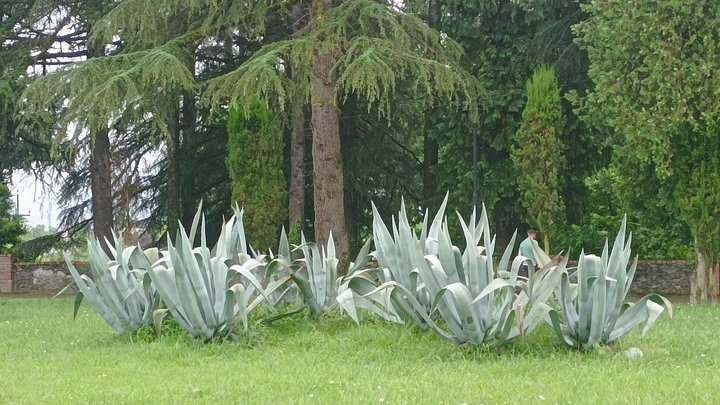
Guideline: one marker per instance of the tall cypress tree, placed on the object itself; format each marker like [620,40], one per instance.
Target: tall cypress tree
[538,152]
[255,159]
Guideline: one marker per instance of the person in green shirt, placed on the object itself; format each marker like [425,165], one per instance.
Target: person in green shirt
[526,249]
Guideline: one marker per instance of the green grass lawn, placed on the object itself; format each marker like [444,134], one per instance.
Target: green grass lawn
[47,358]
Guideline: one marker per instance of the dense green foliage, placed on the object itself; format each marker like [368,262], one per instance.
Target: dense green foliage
[11,226]
[504,43]
[655,92]
[255,165]
[538,152]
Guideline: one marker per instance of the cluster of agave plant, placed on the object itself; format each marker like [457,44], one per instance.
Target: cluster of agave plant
[465,296]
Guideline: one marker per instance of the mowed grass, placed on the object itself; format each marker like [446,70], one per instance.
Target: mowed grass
[47,358]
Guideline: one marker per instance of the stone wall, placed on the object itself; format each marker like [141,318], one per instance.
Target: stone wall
[45,278]
[666,277]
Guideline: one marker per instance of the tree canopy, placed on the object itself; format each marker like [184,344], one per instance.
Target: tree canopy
[138,110]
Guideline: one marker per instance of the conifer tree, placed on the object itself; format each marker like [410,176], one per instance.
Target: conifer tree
[355,47]
[538,152]
[359,47]
[255,157]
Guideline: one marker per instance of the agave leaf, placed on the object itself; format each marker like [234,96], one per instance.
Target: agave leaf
[65,289]
[464,322]
[76,304]
[494,285]
[362,258]
[235,297]
[505,259]
[158,316]
[306,290]
[271,288]
[535,316]
[646,309]
[409,307]
[89,291]
[284,245]
[350,302]
[194,225]
[356,292]
[557,327]
[599,309]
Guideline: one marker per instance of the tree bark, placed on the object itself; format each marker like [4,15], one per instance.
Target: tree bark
[328,184]
[187,187]
[430,160]
[173,174]
[715,292]
[349,130]
[296,189]
[101,186]
[702,278]
[296,199]
[693,289]
[101,176]
[430,145]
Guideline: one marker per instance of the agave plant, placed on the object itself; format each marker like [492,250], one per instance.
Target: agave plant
[314,275]
[115,287]
[421,276]
[594,311]
[393,290]
[476,304]
[360,289]
[206,293]
[232,243]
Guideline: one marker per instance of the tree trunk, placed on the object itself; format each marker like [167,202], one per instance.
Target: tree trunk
[187,187]
[173,174]
[702,278]
[296,191]
[693,289]
[349,130]
[716,282]
[430,145]
[296,199]
[328,187]
[430,160]
[101,176]
[101,186]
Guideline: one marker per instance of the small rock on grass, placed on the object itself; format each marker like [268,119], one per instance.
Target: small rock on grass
[633,353]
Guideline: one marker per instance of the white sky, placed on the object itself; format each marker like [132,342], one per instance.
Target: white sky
[37,205]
